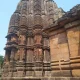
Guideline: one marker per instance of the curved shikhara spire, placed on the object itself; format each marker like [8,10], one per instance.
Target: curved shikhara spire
[27,43]
[25,12]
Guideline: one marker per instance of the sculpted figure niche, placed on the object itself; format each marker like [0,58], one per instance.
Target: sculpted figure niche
[38,55]
[20,56]
[38,39]
[22,40]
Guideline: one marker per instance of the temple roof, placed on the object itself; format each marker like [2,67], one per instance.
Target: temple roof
[70,16]
[73,12]
[26,9]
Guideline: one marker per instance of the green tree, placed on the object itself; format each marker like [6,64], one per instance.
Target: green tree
[1,60]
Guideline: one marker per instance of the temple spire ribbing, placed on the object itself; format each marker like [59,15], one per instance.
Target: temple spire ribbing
[27,49]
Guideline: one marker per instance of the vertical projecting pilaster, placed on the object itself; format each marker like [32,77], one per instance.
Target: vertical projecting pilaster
[37,32]
[21,53]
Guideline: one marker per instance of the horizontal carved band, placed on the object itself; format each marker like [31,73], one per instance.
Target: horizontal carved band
[37,27]
[11,46]
[12,42]
[11,34]
[30,47]
[46,48]
[38,46]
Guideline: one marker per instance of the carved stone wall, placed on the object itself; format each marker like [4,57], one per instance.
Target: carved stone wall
[27,51]
[27,48]
[64,36]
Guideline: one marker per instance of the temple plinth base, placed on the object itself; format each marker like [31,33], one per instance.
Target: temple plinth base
[42,78]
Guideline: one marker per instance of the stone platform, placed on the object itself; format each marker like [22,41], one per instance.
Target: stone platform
[41,78]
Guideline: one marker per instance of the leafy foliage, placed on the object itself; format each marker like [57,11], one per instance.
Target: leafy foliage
[1,60]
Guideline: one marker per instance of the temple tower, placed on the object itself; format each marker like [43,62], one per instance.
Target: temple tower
[27,53]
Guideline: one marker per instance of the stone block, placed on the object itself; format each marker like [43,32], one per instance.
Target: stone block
[45,78]
[29,73]
[14,74]
[10,74]
[73,40]
[74,47]
[62,40]
[63,73]
[20,74]
[74,53]
[76,73]
[62,78]
[47,73]
[38,74]
[75,78]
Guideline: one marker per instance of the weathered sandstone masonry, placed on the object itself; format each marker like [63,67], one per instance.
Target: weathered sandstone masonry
[31,53]
[64,36]
[27,51]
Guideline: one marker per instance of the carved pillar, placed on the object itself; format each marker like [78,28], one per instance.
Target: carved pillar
[12,67]
[20,56]
[21,62]
[11,48]
[46,49]
[38,51]
[29,54]
[12,57]
[7,56]
[22,43]
[5,72]
[37,31]
[47,57]
[29,62]
[30,41]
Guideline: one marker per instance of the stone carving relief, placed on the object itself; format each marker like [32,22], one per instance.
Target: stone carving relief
[20,54]
[37,6]
[13,29]
[46,56]
[46,42]
[29,41]
[24,8]
[38,39]
[15,18]
[6,57]
[29,15]
[6,71]
[23,21]
[17,57]
[22,39]
[13,52]
[29,56]
[38,55]
[14,38]
[37,30]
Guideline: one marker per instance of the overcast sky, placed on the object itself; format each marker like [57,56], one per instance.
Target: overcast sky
[7,7]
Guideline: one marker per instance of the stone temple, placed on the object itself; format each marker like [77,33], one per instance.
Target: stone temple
[43,42]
